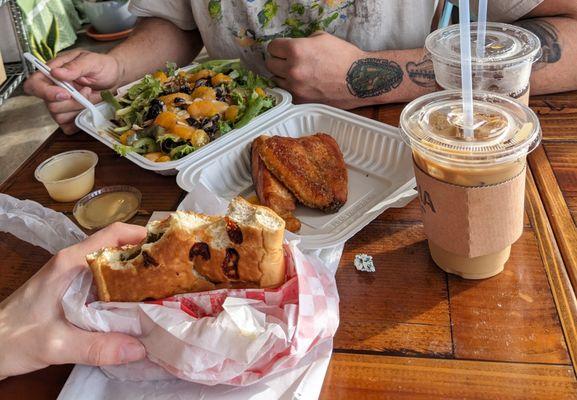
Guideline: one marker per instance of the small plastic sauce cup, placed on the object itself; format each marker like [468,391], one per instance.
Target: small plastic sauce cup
[68,176]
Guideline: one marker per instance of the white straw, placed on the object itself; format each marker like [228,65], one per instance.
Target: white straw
[466,73]
[481,28]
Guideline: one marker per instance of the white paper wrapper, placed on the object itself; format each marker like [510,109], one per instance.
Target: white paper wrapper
[303,382]
[35,224]
[234,337]
[300,374]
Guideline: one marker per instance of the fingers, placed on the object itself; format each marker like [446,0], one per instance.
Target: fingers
[40,86]
[281,82]
[64,112]
[117,234]
[57,107]
[83,64]
[63,58]
[281,48]
[277,66]
[96,348]
[69,261]
[69,128]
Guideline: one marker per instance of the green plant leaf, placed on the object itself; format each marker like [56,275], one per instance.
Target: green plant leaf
[46,50]
[53,36]
[35,48]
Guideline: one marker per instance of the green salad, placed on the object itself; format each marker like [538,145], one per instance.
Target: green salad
[170,114]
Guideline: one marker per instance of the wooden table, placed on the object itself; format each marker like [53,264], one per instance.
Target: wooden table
[409,330]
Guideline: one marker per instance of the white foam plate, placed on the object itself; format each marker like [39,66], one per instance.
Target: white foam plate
[84,122]
[379,166]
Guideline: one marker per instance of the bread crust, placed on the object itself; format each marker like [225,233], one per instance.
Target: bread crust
[217,252]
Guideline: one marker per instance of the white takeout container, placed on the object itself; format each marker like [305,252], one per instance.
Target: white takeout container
[379,164]
[84,122]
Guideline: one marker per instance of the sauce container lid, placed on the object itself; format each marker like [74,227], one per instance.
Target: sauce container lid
[120,211]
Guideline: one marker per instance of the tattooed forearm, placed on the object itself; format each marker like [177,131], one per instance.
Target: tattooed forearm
[369,77]
[549,37]
[422,72]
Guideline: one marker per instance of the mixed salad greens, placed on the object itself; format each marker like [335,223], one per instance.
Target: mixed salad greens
[170,114]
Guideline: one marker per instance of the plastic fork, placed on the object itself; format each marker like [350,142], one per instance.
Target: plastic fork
[98,120]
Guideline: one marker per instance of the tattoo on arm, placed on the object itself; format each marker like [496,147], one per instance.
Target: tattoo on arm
[422,72]
[369,77]
[549,37]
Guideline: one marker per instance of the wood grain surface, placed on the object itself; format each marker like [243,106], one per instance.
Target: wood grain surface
[559,281]
[409,330]
[563,224]
[402,308]
[355,376]
[158,192]
[563,160]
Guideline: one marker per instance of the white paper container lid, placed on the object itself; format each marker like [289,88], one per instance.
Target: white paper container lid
[378,161]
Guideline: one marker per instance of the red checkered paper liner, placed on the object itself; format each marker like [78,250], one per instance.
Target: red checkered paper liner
[227,336]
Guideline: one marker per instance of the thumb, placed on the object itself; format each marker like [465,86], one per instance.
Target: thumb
[82,65]
[95,348]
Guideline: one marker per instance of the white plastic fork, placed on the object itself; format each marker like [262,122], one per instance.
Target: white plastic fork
[98,120]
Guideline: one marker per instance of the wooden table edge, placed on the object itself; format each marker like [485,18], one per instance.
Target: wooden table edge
[552,244]
[558,213]
[555,268]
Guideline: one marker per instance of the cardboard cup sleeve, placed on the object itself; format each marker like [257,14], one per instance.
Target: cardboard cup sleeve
[471,221]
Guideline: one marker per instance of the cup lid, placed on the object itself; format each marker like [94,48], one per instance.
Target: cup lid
[503,128]
[504,43]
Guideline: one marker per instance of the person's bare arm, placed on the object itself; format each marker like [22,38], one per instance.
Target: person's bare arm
[154,42]
[324,68]
[555,23]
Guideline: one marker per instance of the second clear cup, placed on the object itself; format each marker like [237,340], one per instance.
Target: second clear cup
[510,52]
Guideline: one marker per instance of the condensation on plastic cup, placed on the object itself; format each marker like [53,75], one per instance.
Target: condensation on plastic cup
[510,52]
[505,132]
[68,176]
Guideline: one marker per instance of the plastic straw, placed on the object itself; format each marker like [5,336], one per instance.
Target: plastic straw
[466,73]
[481,28]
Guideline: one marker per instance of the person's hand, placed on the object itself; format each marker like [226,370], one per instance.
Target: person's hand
[314,69]
[89,73]
[33,330]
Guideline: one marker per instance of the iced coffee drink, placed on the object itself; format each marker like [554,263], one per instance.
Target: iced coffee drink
[470,180]
[505,68]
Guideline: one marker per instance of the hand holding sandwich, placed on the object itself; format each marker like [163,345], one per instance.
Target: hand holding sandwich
[33,330]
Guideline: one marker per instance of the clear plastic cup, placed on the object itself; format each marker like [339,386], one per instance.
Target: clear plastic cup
[505,131]
[68,176]
[510,52]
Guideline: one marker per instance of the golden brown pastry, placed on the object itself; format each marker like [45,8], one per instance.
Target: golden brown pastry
[312,168]
[270,191]
[190,252]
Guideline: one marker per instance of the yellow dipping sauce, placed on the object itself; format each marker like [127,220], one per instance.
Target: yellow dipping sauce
[114,204]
